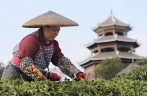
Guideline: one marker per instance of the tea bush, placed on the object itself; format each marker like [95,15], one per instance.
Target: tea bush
[137,74]
[130,84]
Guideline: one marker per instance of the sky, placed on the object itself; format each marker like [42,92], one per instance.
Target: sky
[72,40]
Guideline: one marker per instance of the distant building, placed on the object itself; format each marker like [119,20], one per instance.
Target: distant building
[112,42]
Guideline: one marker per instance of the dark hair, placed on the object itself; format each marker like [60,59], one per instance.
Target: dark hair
[41,28]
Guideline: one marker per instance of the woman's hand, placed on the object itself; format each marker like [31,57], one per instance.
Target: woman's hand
[81,76]
[54,77]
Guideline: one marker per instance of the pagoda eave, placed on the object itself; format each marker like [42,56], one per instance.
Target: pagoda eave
[98,29]
[101,56]
[113,39]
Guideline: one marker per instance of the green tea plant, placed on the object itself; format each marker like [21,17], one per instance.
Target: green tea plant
[133,83]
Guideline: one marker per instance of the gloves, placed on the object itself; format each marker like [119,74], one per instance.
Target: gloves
[81,76]
[53,76]
[50,75]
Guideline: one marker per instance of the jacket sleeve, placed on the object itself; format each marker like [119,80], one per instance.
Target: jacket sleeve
[27,66]
[67,67]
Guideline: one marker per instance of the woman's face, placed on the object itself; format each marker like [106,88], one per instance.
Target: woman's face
[50,32]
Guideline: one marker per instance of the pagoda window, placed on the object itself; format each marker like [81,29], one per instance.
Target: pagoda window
[119,33]
[124,49]
[95,51]
[107,49]
[108,33]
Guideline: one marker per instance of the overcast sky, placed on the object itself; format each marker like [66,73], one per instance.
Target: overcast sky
[87,13]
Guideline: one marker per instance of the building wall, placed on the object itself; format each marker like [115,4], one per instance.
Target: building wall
[90,73]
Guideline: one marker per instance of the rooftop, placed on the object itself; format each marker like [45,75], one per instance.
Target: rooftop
[113,22]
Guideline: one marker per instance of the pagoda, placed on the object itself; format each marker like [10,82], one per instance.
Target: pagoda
[112,42]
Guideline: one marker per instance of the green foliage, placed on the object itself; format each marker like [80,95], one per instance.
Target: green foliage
[108,68]
[133,83]
[1,69]
[142,61]
[114,87]
[139,73]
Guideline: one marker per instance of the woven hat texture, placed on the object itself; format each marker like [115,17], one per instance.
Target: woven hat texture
[49,18]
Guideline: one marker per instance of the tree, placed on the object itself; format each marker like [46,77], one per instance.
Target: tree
[1,69]
[108,68]
[142,61]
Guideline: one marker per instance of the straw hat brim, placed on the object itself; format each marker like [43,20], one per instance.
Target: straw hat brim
[49,18]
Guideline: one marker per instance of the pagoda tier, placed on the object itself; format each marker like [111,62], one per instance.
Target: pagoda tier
[115,42]
[125,56]
[112,23]
[112,38]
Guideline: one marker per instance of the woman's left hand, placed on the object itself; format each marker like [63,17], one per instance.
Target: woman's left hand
[81,76]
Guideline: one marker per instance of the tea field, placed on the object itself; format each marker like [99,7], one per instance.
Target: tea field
[133,83]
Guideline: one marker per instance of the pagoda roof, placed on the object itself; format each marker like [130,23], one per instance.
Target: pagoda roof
[106,39]
[130,67]
[112,21]
[104,55]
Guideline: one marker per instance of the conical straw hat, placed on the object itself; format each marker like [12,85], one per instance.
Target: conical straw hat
[49,18]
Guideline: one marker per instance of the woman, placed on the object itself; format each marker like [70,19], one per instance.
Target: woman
[35,51]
